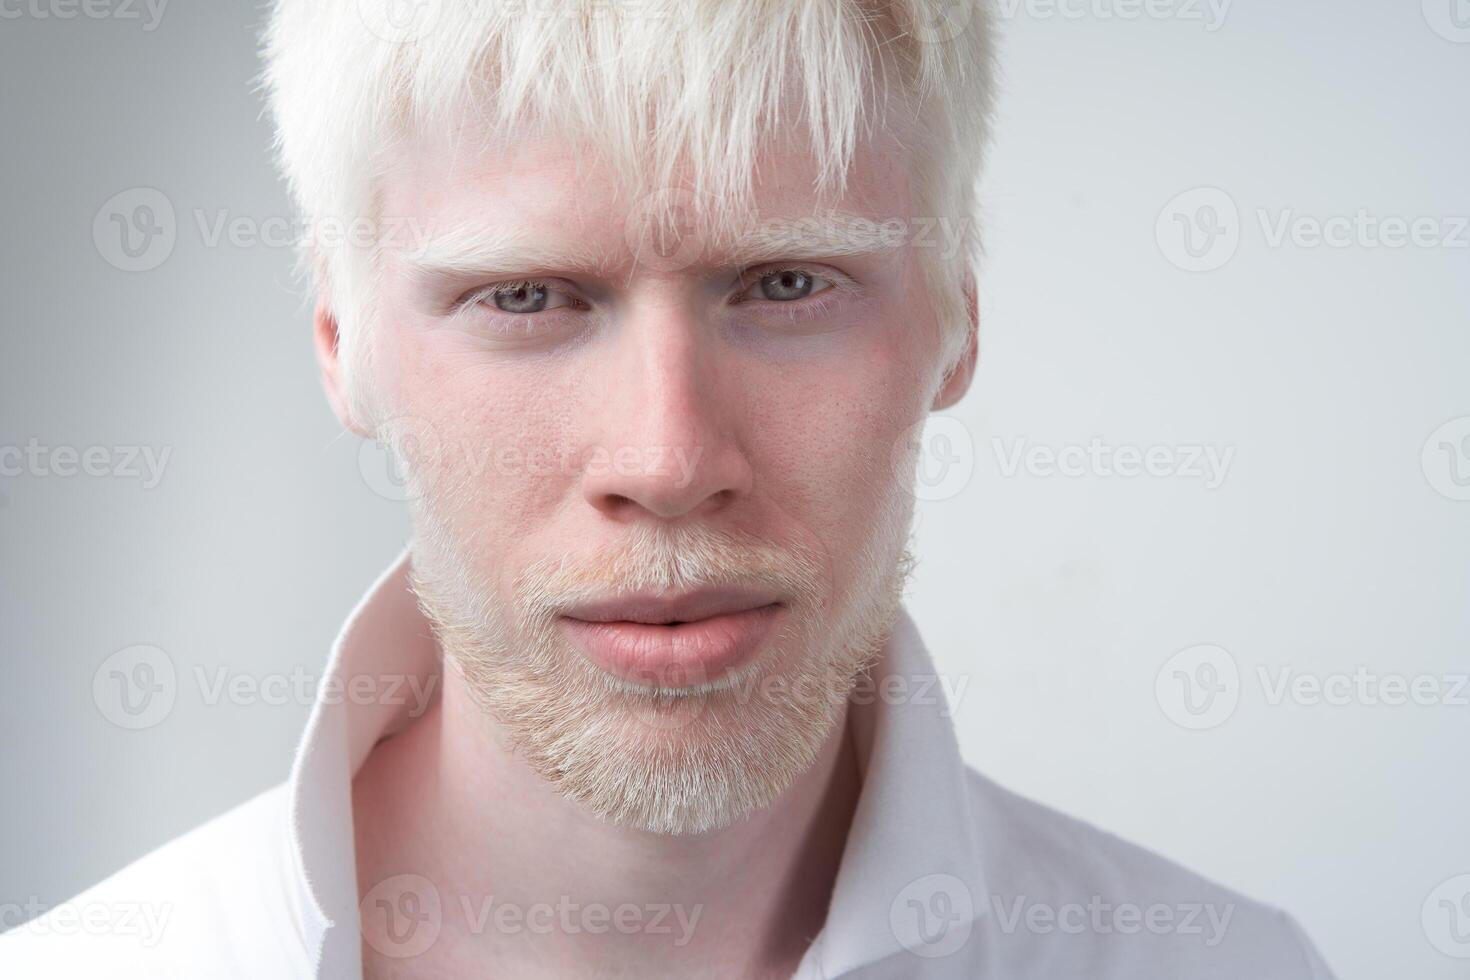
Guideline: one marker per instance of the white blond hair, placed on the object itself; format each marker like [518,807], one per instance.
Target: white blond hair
[655,84]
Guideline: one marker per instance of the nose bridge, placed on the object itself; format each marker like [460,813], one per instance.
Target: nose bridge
[668,439]
[671,401]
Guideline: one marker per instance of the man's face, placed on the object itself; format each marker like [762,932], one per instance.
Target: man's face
[601,418]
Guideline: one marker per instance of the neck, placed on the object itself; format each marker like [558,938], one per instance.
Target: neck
[532,884]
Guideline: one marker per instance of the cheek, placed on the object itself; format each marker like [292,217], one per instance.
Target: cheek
[828,437]
[504,459]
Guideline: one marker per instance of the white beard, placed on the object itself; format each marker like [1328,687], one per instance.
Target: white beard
[667,759]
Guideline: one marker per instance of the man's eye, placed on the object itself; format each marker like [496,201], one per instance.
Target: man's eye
[524,297]
[786,285]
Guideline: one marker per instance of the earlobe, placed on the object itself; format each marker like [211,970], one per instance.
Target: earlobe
[957,381]
[327,339]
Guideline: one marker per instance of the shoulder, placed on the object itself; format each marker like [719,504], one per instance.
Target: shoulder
[1087,903]
[219,900]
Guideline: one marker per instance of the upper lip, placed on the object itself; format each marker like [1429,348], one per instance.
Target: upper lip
[665,608]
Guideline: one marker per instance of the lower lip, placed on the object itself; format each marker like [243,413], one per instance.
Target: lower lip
[685,655]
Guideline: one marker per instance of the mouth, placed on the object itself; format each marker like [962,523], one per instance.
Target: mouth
[673,641]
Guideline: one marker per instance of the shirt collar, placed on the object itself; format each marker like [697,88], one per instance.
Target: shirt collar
[913,817]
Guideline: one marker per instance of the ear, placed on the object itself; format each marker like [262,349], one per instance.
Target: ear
[957,381]
[327,339]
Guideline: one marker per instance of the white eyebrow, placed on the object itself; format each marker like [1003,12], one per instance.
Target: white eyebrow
[481,250]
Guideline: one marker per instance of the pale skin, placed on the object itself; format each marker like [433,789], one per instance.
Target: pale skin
[791,424]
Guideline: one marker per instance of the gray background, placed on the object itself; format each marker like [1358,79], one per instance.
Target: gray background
[1057,600]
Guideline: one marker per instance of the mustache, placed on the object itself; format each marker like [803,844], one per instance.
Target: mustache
[670,559]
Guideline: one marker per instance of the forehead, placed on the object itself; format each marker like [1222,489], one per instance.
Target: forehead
[544,186]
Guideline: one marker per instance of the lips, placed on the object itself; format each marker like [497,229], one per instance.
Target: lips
[673,640]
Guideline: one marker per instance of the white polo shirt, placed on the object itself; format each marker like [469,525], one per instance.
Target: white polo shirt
[945,874]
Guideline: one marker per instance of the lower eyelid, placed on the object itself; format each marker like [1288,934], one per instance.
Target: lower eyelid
[810,308]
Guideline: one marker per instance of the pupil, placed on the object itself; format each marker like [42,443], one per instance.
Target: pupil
[788,285]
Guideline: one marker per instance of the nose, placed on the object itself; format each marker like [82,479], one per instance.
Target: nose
[667,425]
